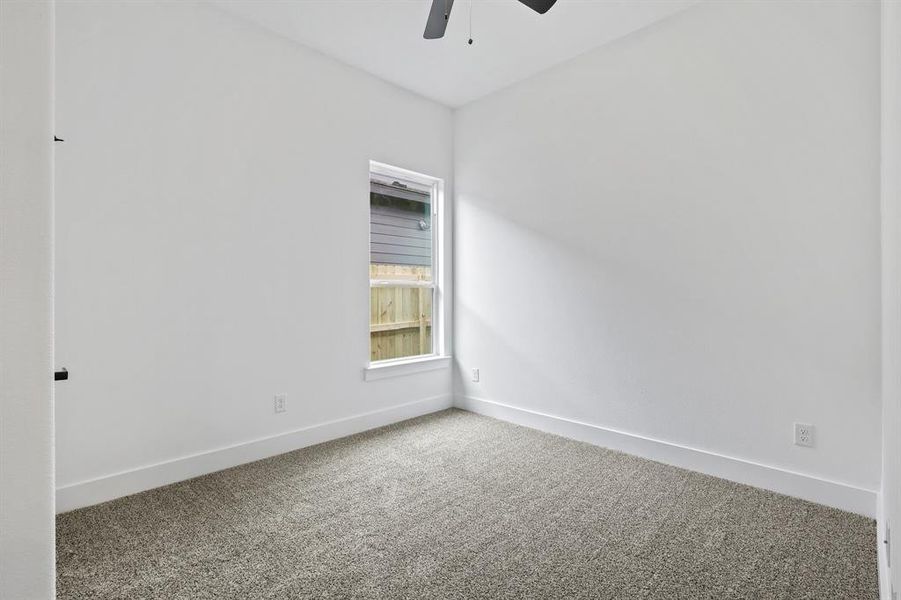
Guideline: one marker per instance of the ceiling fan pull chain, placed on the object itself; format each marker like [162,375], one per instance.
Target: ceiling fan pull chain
[470,22]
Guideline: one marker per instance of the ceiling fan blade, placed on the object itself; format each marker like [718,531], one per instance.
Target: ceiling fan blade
[539,6]
[438,16]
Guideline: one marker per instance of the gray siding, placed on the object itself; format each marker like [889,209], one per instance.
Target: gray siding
[395,237]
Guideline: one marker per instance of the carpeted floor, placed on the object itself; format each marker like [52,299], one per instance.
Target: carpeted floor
[455,505]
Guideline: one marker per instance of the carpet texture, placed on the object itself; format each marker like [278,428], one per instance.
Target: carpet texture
[459,506]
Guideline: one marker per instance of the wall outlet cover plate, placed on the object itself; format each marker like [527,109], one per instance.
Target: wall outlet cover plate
[804,435]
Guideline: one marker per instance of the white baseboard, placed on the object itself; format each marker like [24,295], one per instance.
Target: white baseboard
[822,491]
[109,487]
[885,585]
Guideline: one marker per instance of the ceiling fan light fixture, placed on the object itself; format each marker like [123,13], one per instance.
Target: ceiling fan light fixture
[435,26]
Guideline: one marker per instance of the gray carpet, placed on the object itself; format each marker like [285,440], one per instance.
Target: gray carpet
[455,505]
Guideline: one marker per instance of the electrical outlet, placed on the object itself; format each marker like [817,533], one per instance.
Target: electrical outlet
[803,435]
[475,375]
[281,403]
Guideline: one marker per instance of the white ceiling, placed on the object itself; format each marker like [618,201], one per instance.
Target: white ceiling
[512,42]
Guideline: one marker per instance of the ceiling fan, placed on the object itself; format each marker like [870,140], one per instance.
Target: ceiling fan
[440,12]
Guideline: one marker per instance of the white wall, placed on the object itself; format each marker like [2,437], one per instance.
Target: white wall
[213,236]
[891,293]
[677,236]
[26,325]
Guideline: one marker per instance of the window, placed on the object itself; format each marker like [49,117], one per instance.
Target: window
[404,267]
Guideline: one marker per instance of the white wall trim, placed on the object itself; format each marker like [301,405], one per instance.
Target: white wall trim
[885,582]
[398,368]
[116,485]
[830,493]
[808,487]
[27,470]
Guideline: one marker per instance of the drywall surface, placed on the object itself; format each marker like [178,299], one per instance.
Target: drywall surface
[26,324]
[890,517]
[213,233]
[677,236]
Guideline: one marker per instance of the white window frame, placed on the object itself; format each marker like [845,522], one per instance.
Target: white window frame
[438,358]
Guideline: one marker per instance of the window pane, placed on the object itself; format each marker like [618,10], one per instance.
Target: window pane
[400,250]
[400,226]
[400,322]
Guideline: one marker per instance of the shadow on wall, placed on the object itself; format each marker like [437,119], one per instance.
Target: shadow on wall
[589,332]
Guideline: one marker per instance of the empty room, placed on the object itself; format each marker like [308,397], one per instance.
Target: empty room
[473,299]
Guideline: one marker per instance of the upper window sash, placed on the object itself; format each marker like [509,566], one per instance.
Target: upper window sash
[399,184]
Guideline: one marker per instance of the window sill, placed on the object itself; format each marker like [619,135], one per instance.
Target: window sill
[397,368]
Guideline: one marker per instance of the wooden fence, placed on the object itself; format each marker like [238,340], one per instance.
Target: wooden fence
[400,318]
